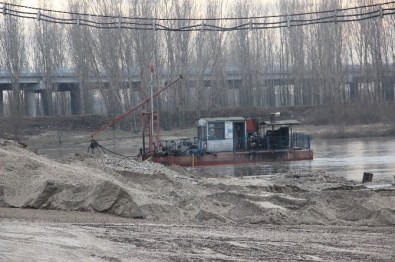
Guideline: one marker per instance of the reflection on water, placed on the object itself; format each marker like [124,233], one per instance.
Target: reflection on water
[349,158]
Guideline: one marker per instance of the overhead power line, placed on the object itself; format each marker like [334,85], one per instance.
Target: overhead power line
[344,15]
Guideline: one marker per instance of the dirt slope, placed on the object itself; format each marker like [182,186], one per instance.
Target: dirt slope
[130,188]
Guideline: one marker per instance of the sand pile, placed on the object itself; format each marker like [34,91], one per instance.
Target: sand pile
[135,189]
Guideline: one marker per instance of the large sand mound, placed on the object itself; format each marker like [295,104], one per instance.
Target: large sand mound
[135,189]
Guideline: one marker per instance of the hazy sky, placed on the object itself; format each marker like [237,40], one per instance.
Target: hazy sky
[59,4]
[35,3]
[62,4]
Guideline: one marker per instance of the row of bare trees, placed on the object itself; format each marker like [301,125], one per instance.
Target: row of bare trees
[314,63]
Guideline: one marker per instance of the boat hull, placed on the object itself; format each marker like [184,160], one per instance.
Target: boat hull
[233,158]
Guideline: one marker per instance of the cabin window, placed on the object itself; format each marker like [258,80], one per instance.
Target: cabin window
[216,131]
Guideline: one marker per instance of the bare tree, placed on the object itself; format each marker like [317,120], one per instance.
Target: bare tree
[213,62]
[321,64]
[81,46]
[108,55]
[242,54]
[12,41]
[49,52]
[178,53]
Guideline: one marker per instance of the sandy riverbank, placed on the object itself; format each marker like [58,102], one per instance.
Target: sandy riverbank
[173,215]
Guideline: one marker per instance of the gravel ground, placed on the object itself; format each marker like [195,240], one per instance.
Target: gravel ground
[110,239]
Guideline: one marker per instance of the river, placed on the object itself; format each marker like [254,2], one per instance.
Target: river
[349,158]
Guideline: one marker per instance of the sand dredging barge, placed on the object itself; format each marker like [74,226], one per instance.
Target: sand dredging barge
[235,140]
[219,141]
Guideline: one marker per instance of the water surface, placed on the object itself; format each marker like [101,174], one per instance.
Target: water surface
[349,158]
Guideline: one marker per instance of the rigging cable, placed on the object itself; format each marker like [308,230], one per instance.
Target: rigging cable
[95,145]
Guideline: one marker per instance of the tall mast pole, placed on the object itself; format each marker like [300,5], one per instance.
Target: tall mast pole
[152,69]
[152,110]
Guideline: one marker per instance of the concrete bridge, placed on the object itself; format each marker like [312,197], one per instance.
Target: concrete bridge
[31,82]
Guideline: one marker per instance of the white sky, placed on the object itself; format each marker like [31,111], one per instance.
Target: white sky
[60,4]
[35,3]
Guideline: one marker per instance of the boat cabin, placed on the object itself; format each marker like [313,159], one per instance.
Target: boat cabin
[223,134]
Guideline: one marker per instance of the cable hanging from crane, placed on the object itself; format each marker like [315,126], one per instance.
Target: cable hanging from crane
[341,15]
[94,144]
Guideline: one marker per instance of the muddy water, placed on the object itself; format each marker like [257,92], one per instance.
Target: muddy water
[349,158]
[352,157]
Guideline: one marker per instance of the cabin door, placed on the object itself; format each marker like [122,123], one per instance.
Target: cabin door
[239,136]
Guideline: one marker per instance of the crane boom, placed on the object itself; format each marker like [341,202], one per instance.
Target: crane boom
[120,117]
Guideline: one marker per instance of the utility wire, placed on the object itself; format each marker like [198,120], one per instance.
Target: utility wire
[344,15]
[196,19]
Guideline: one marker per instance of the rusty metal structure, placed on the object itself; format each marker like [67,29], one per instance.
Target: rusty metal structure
[150,121]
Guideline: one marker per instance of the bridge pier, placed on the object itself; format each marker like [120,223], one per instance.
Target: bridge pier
[30,103]
[75,100]
[45,94]
[354,93]
[389,88]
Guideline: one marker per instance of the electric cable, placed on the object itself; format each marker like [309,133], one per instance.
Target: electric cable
[198,19]
[342,15]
